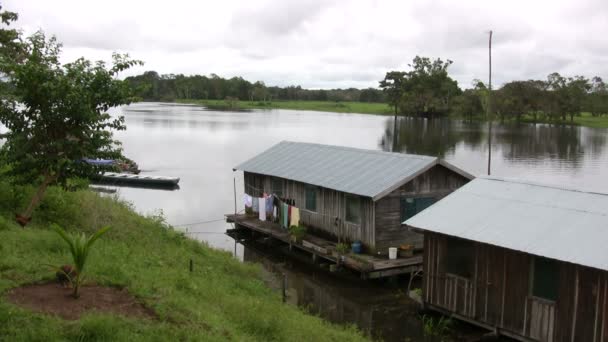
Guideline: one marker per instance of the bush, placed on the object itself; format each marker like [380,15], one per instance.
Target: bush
[297,232]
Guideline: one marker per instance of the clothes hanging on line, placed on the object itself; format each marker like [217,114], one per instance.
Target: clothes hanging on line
[285,215]
[256,205]
[269,202]
[295,216]
[247,201]
[262,206]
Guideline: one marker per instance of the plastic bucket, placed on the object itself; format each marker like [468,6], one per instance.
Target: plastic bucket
[392,253]
[356,247]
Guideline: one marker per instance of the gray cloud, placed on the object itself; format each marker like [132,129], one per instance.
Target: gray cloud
[325,44]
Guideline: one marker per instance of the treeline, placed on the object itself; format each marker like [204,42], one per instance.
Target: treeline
[151,86]
[427,90]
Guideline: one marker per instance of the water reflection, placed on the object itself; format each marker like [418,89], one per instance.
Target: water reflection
[380,310]
[438,137]
[202,146]
[553,154]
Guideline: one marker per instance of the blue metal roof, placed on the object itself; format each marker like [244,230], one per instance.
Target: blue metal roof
[559,223]
[362,172]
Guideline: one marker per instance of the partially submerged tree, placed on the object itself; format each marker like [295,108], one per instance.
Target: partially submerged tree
[392,85]
[426,90]
[58,114]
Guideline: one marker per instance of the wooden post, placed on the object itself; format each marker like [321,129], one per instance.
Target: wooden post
[284,285]
[234,188]
[603,312]
[489,104]
[597,305]
[504,288]
[575,307]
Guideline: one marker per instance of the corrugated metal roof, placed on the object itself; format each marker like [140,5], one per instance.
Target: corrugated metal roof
[563,224]
[362,172]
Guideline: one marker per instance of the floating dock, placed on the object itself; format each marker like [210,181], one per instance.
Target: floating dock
[369,266]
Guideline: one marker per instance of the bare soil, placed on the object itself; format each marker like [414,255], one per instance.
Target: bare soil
[54,299]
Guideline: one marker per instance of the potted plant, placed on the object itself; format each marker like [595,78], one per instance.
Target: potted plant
[342,249]
[297,233]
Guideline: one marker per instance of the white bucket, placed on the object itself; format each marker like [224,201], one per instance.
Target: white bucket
[392,253]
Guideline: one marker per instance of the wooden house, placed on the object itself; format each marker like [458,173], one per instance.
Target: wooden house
[529,261]
[354,194]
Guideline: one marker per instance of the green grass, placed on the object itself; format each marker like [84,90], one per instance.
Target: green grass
[222,299]
[585,119]
[322,106]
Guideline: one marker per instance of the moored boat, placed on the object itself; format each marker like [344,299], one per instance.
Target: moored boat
[113,177]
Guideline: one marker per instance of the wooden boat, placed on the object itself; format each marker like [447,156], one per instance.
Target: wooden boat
[116,178]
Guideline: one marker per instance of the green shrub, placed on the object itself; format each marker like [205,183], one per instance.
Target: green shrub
[342,248]
[297,232]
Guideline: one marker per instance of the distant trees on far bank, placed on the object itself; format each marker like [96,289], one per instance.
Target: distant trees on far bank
[152,86]
[427,90]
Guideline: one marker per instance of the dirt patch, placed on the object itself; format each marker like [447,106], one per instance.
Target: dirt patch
[52,298]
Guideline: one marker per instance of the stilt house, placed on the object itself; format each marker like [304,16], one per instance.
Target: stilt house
[352,193]
[527,260]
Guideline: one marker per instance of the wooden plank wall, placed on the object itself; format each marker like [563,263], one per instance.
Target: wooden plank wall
[501,294]
[330,205]
[437,182]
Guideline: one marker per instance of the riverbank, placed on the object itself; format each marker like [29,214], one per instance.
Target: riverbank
[222,299]
[321,106]
[585,119]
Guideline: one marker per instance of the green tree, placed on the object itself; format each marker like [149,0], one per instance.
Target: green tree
[468,104]
[429,88]
[597,100]
[393,86]
[426,90]
[80,247]
[57,114]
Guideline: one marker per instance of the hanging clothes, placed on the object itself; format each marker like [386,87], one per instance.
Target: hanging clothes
[269,205]
[295,217]
[247,201]
[256,205]
[262,202]
[285,215]
[289,208]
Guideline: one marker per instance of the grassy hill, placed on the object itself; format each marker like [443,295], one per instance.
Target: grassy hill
[223,299]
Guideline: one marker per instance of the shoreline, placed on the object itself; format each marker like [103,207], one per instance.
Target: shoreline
[584,120]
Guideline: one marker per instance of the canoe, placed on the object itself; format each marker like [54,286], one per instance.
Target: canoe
[112,177]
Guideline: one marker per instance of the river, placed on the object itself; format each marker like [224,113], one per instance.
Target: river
[202,146]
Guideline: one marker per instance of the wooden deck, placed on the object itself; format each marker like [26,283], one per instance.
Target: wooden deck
[368,265]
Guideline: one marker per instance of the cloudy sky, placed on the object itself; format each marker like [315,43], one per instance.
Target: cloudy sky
[330,43]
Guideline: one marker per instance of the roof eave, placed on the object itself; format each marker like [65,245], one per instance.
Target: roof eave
[404,181]
[456,169]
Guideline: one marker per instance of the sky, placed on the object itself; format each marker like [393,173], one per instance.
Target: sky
[330,43]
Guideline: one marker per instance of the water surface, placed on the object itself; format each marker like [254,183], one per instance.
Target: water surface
[202,146]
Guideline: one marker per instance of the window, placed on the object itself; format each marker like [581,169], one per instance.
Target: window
[545,274]
[460,257]
[277,186]
[353,209]
[311,198]
[412,206]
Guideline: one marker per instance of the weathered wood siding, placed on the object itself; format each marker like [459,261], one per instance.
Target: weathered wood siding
[330,205]
[498,294]
[437,183]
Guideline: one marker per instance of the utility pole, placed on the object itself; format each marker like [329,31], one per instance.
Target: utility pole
[489,105]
